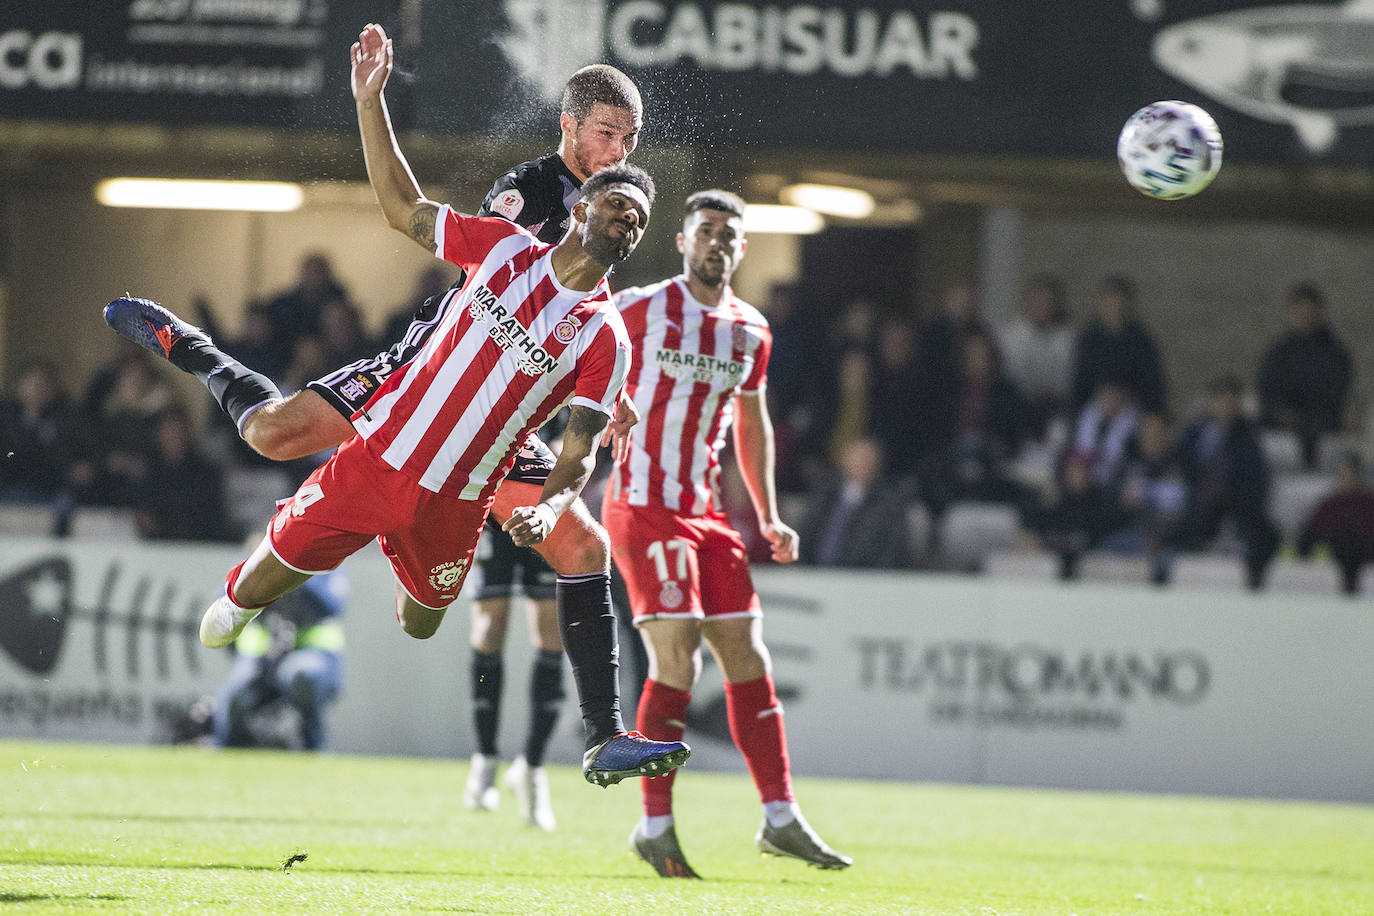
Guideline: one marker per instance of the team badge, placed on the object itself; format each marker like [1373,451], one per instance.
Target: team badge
[508,204]
[447,575]
[566,330]
[670,595]
[740,337]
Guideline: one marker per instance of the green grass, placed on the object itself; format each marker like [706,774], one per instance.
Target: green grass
[159,830]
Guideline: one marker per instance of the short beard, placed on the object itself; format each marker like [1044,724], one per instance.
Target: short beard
[603,249]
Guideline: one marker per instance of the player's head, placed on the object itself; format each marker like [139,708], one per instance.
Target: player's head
[712,236]
[613,211]
[601,119]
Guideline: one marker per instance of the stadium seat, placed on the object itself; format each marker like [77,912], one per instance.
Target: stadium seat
[971,532]
[28,520]
[107,524]
[1209,571]
[1292,497]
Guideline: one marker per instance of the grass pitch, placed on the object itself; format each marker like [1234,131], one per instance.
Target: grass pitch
[161,830]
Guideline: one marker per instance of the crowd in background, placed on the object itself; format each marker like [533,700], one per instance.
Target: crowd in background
[1069,423]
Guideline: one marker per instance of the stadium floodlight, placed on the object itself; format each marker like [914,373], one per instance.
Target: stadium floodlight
[764,219]
[188,194]
[830,199]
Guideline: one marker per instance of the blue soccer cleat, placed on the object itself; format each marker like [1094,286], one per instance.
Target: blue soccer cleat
[631,754]
[151,326]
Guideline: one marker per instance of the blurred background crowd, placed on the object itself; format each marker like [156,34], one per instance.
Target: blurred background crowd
[941,441]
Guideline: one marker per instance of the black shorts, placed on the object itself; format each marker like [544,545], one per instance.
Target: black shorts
[501,564]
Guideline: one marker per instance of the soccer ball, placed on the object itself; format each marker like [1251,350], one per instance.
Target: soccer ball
[1169,150]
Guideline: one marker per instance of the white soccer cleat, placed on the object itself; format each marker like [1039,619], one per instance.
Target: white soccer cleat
[480,793]
[530,786]
[224,622]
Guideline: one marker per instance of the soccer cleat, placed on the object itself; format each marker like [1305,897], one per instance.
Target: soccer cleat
[798,840]
[662,852]
[224,622]
[151,326]
[530,785]
[631,754]
[480,793]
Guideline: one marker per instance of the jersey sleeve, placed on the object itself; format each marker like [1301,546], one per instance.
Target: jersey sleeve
[602,368]
[758,375]
[518,197]
[466,240]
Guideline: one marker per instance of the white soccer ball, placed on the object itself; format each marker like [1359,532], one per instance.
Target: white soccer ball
[1169,150]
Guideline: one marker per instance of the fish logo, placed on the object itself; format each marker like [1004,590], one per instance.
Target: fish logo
[549,39]
[1308,65]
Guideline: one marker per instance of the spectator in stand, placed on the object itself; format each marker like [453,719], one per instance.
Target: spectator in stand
[859,517]
[342,335]
[1103,431]
[1224,468]
[128,433]
[1152,495]
[1344,522]
[899,396]
[1038,352]
[845,409]
[792,382]
[45,449]
[296,312]
[256,344]
[1116,343]
[1306,374]
[1087,506]
[175,470]
[941,339]
[975,434]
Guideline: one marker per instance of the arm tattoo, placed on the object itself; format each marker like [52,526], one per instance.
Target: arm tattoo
[585,423]
[422,226]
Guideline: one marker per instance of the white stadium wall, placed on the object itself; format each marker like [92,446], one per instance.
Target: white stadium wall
[886,676]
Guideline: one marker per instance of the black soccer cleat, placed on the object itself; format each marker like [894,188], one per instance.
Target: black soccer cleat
[797,840]
[631,754]
[662,853]
[152,327]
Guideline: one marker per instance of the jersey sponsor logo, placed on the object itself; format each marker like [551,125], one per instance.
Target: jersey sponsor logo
[448,575]
[508,333]
[670,595]
[698,367]
[509,204]
[566,329]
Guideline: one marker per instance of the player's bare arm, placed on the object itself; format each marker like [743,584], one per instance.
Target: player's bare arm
[754,446]
[530,525]
[617,434]
[406,208]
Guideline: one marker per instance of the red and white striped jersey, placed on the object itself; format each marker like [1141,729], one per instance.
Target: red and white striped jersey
[508,353]
[689,361]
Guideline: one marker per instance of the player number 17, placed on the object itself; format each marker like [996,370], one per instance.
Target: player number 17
[658,552]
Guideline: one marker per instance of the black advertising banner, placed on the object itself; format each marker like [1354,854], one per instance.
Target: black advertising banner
[1285,81]
[270,62]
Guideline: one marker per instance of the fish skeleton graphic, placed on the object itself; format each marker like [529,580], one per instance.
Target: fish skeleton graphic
[1308,65]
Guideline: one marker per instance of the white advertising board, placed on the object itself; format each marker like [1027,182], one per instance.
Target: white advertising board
[884,676]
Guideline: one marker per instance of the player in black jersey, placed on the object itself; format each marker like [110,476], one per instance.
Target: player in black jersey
[600,124]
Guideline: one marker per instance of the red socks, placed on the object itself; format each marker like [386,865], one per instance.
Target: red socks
[756,724]
[662,716]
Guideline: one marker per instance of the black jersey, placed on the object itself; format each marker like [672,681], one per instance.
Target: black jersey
[536,195]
